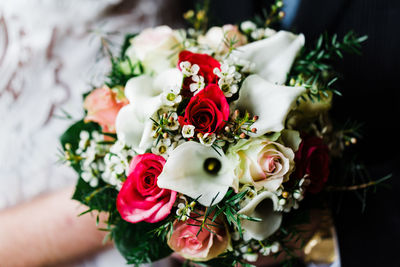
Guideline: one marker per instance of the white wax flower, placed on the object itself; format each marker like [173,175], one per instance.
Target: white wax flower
[197,85]
[263,207]
[248,26]
[207,139]
[133,122]
[270,102]
[188,69]
[273,57]
[198,172]
[188,131]
[171,96]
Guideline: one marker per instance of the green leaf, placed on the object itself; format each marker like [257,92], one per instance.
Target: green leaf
[71,135]
[138,244]
[126,44]
[101,198]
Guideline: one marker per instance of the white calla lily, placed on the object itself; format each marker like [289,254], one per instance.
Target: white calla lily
[291,138]
[273,57]
[198,172]
[270,102]
[133,123]
[263,207]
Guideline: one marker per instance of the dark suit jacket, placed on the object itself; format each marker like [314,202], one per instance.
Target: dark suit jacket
[371,94]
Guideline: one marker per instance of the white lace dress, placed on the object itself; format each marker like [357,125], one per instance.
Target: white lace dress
[47,60]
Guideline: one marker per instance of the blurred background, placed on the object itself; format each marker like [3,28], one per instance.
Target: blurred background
[49,56]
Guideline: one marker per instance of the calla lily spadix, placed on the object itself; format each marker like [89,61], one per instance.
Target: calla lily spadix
[263,207]
[270,102]
[273,56]
[133,123]
[198,172]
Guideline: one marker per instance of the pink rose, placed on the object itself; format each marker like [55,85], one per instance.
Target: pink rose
[102,107]
[140,199]
[206,245]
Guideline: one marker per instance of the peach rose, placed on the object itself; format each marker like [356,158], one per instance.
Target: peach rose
[204,246]
[102,107]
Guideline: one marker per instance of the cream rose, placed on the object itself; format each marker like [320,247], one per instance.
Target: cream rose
[262,163]
[215,36]
[156,48]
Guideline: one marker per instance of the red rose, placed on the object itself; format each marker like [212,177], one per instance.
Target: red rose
[207,111]
[312,159]
[207,65]
[140,199]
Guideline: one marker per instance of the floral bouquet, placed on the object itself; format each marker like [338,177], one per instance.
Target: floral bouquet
[204,142]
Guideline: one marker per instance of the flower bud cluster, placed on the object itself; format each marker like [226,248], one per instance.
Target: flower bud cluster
[91,150]
[254,32]
[117,163]
[229,79]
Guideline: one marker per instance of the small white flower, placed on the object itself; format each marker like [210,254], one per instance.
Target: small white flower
[171,96]
[187,131]
[94,182]
[248,26]
[251,257]
[84,135]
[228,79]
[275,247]
[269,32]
[257,34]
[162,147]
[265,251]
[173,123]
[297,194]
[197,85]
[207,139]
[188,69]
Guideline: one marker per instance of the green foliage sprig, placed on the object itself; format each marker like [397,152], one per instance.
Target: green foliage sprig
[313,67]
[271,16]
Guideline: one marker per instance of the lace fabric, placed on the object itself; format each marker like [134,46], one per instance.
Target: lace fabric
[48,52]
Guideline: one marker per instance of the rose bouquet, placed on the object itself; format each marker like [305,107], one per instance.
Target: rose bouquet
[205,142]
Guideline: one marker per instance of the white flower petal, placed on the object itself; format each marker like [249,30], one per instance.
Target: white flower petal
[185,173]
[270,102]
[133,123]
[273,57]
[264,207]
[291,138]
[134,127]
[168,79]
